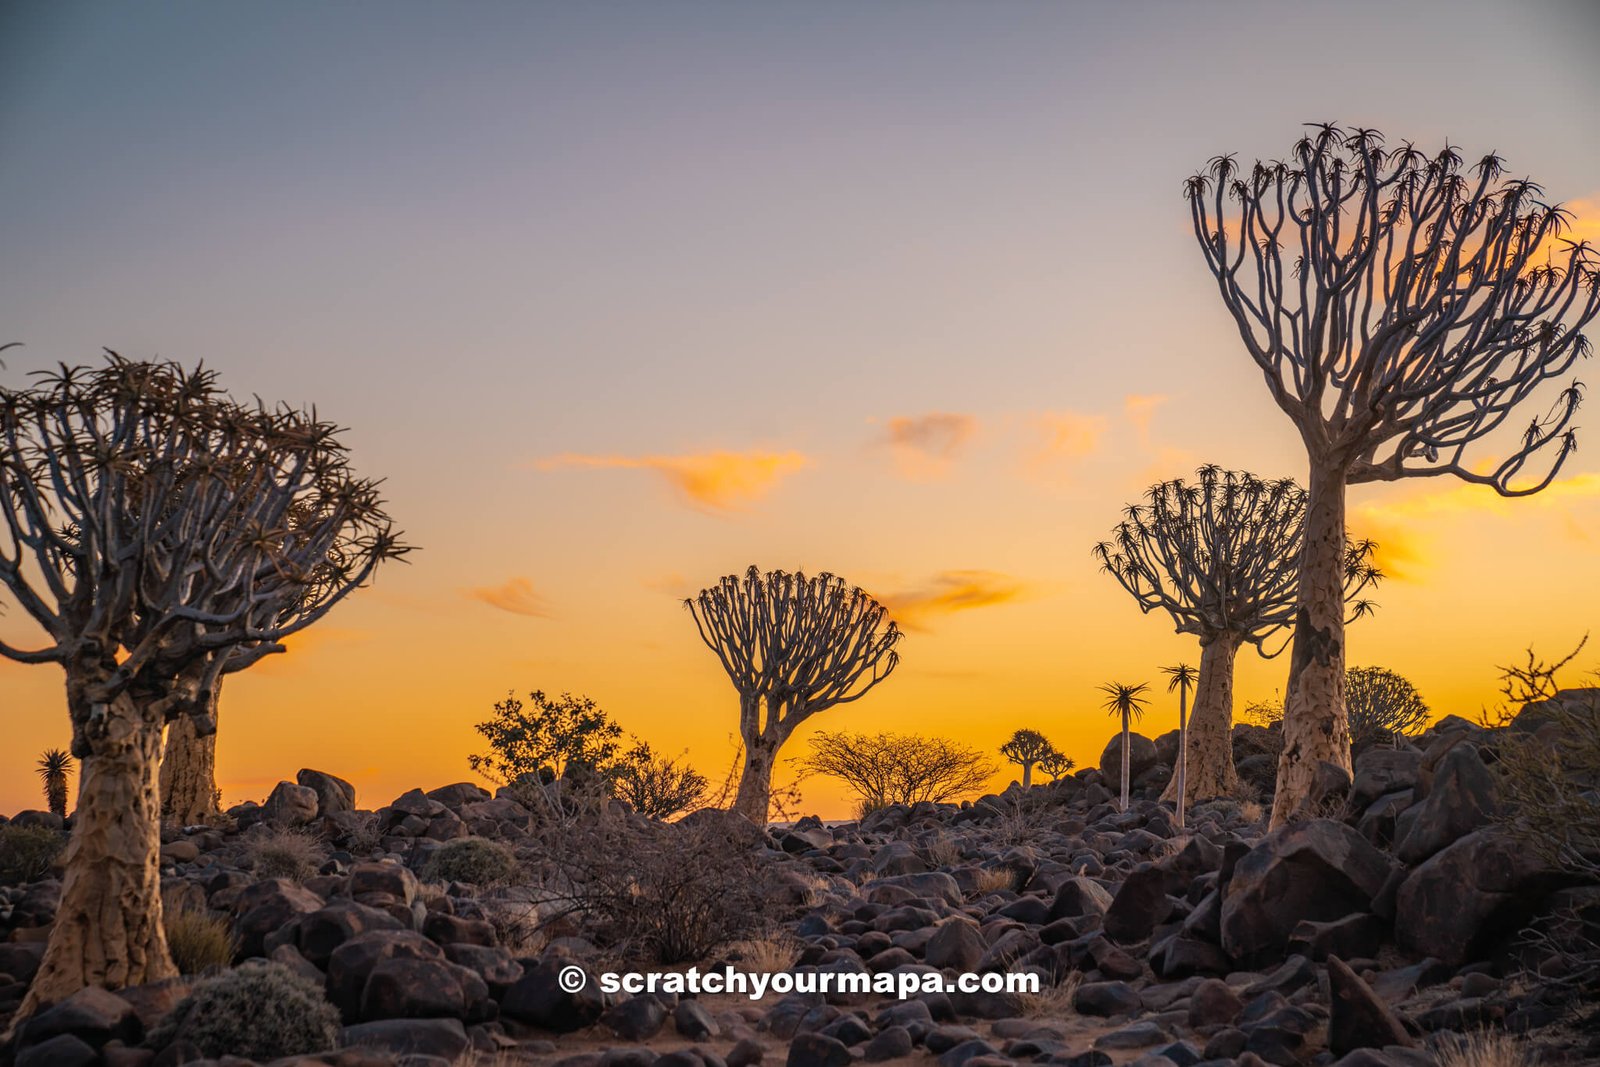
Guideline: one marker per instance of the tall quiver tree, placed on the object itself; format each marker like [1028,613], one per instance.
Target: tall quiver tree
[133,540]
[1401,307]
[792,646]
[1220,556]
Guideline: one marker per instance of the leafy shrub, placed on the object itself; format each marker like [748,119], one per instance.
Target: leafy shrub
[26,852]
[291,854]
[259,1011]
[472,859]
[199,941]
[658,787]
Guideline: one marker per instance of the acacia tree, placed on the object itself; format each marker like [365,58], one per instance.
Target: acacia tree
[139,560]
[883,769]
[1220,556]
[1128,702]
[1401,307]
[1026,748]
[793,647]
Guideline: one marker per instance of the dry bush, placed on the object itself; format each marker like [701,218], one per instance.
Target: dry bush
[475,860]
[775,952]
[883,769]
[291,854]
[199,941]
[28,852]
[1487,1048]
[518,926]
[1052,1002]
[941,852]
[1251,811]
[261,1011]
[662,892]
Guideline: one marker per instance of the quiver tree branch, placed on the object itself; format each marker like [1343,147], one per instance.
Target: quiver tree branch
[792,646]
[156,529]
[1401,307]
[1220,555]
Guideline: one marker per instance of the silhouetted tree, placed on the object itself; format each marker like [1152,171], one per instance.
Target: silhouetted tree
[793,647]
[1182,678]
[659,787]
[1057,764]
[54,767]
[1220,556]
[546,746]
[884,769]
[1026,748]
[1401,307]
[138,564]
[1382,705]
[1126,701]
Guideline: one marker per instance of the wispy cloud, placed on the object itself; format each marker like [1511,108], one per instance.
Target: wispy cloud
[1140,410]
[949,592]
[1060,438]
[515,595]
[714,481]
[925,446]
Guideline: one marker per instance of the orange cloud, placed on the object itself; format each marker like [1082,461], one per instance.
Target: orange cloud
[1062,437]
[716,481]
[1140,410]
[949,592]
[515,595]
[925,446]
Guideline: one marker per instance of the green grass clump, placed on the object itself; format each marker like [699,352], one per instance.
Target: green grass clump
[476,860]
[259,1011]
[26,852]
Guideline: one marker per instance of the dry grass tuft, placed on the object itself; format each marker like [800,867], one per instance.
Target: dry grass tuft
[1251,811]
[291,854]
[1487,1048]
[994,880]
[941,852]
[199,941]
[770,954]
[1052,1002]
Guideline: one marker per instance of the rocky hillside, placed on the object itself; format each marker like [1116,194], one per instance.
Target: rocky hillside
[1374,934]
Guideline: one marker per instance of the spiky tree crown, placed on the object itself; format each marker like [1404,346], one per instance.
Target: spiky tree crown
[1220,554]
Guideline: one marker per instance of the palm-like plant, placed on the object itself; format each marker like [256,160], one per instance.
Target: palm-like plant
[1182,678]
[54,767]
[1127,701]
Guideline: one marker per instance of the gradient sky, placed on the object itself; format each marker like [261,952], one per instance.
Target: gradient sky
[624,297]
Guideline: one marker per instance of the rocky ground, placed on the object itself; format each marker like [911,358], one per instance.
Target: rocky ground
[1371,936]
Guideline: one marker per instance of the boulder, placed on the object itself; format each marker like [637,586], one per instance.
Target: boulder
[353,962]
[445,1039]
[1358,1017]
[334,794]
[458,796]
[267,908]
[1140,905]
[538,999]
[1080,896]
[1461,799]
[1319,870]
[1106,998]
[406,988]
[290,805]
[1141,757]
[816,1050]
[323,930]
[956,944]
[63,1050]
[93,1015]
[1383,770]
[1470,898]
[635,1019]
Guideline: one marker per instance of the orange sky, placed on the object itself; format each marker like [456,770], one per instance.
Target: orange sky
[620,301]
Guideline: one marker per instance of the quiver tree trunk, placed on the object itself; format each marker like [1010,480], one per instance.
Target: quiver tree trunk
[1127,762]
[1208,751]
[189,770]
[1315,728]
[108,928]
[754,796]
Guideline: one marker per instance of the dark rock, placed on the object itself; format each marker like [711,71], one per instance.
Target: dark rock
[1358,1017]
[693,1021]
[1136,1035]
[635,1019]
[445,1038]
[538,999]
[1079,896]
[852,1030]
[1353,937]
[888,1044]
[456,930]
[1226,1044]
[1181,957]
[1294,973]
[1474,895]
[387,880]
[1141,757]
[1214,1002]
[63,1050]
[92,1014]
[746,1052]
[815,1050]
[459,795]
[1319,869]
[403,988]
[967,1052]
[319,932]
[1106,998]
[1461,799]
[1383,770]
[352,963]
[1035,911]
[334,794]
[290,805]
[267,908]
[1139,906]
[956,944]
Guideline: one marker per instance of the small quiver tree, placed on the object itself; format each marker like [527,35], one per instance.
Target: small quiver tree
[131,538]
[1220,555]
[55,767]
[1127,702]
[1026,748]
[793,647]
[1382,706]
[1401,307]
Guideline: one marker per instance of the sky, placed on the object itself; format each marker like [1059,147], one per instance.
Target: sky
[623,297]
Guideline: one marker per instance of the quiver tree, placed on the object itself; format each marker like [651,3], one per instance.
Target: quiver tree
[151,525]
[54,767]
[1401,307]
[1382,705]
[792,646]
[1220,555]
[1026,748]
[1126,701]
[1182,678]
[1057,765]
